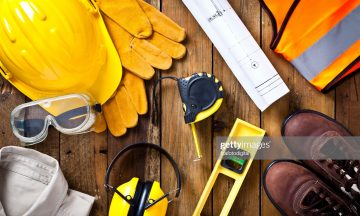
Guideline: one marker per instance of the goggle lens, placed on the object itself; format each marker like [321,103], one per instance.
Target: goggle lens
[29,122]
[67,113]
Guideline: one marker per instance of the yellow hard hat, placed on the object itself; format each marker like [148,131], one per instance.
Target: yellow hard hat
[50,48]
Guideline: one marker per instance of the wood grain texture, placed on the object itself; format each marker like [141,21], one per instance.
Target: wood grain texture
[274,115]
[302,96]
[83,166]
[237,104]
[84,158]
[9,99]
[143,164]
[176,135]
[348,104]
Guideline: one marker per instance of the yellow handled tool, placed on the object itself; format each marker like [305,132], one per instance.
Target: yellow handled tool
[240,129]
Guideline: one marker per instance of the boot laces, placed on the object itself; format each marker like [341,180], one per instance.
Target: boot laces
[319,202]
[348,170]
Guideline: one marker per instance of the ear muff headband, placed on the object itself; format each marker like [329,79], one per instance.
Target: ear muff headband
[137,146]
[136,198]
[142,202]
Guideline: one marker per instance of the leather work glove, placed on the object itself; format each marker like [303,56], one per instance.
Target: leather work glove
[144,37]
[100,124]
[123,13]
[122,110]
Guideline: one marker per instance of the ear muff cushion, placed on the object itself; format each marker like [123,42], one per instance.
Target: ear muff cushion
[143,198]
[139,189]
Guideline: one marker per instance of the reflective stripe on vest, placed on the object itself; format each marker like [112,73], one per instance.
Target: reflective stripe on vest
[320,38]
[321,54]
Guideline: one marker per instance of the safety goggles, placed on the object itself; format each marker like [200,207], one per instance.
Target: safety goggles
[69,114]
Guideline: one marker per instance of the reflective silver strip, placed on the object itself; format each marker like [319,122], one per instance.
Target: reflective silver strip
[325,51]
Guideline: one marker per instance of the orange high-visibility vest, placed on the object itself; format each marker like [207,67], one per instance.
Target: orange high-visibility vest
[321,38]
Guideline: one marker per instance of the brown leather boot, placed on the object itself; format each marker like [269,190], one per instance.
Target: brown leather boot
[295,190]
[328,146]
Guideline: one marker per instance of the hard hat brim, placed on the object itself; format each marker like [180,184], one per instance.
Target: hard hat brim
[109,81]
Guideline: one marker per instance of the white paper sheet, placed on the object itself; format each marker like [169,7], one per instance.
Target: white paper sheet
[240,51]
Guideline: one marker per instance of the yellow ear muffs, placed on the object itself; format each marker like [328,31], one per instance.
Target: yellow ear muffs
[138,198]
[155,193]
[118,205]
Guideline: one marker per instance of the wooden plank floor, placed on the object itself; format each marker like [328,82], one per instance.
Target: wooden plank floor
[84,158]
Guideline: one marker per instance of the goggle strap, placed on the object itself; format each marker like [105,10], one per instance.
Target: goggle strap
[97,107]
[71,113]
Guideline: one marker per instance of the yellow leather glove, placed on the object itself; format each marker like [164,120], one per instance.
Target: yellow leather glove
[144,37]
[123,12]
[100,124]
[122,110]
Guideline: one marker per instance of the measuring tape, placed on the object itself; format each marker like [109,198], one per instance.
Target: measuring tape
[201,95]
[233,166]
